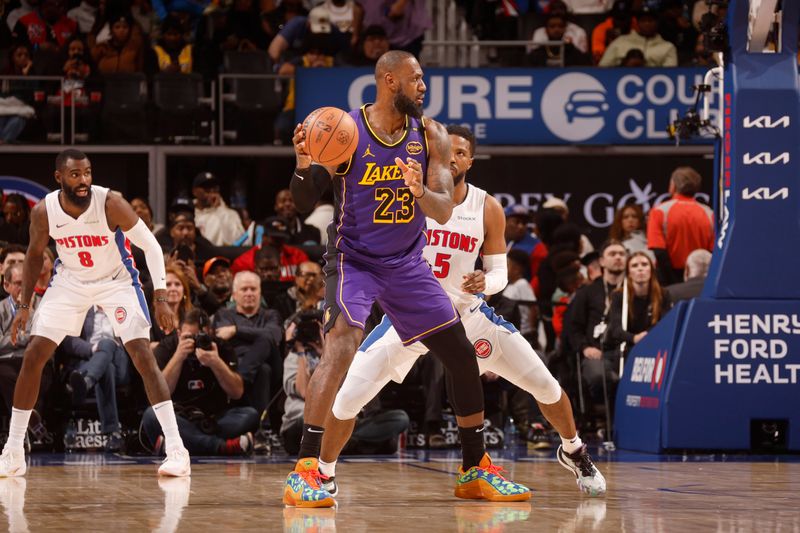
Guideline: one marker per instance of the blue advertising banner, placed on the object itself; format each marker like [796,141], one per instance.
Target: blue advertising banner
[530,106]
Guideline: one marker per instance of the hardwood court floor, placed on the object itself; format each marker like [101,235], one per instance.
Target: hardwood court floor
[105,493]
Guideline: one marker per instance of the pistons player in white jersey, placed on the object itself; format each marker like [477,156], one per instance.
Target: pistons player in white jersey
[92,229]
[476,226]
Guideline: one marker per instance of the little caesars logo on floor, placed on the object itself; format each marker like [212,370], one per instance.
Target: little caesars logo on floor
[88,434]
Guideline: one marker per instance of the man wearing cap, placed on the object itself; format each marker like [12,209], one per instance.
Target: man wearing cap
[657,51]
[560,206]
[289,40]
[216,221]
[182,231]
[218,281]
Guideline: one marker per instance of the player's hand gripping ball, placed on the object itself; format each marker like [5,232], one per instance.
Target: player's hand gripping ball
[331,136]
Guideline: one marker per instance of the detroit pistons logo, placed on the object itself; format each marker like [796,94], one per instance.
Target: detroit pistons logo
[120,314]
[483,348]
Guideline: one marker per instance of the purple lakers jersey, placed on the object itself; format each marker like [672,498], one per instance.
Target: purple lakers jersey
[376,218]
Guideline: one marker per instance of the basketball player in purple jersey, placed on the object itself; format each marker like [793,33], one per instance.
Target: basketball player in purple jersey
[398,175]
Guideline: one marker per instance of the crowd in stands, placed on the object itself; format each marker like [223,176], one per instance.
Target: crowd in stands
[250,300]
[88,42]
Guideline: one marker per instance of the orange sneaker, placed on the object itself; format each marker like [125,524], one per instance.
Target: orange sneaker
[303,487]
[484,482]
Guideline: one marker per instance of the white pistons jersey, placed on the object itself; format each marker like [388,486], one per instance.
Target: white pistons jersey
[452,250]
[87,249]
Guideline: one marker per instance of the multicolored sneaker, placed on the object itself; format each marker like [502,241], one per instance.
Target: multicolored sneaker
[588,477]
[484,482]
[303,486]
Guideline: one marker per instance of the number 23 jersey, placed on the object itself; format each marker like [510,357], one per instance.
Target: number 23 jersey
[87,249]
[376,219]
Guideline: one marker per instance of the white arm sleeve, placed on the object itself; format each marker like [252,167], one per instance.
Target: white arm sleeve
[141,236]
[496,270]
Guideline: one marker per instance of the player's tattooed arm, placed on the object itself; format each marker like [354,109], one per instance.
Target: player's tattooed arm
[434,194]
[32,266]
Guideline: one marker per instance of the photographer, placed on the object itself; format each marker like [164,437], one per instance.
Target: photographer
[201,375]
[376,430]
[304,356]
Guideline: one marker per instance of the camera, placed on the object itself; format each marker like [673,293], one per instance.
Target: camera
[203,341]
[307,327]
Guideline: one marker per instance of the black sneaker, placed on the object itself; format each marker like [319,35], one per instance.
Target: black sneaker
[588,477]
[115,442]
[538,438]
[77,387]
[330,485]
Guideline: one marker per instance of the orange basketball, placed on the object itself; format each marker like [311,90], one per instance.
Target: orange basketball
[331,136]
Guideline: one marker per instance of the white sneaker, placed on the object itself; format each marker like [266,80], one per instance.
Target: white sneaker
[588,477]
[12,463]
[177,464]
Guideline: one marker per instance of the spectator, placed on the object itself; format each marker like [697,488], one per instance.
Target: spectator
[179,299]
[628,228]
[255,334]
[11,354]
[345,15]
[647,303]
[142,208]
[19,60]
[633,59]
[14,111]
[588,7]
[564,55]
[702,56]
[317,53]
[84,15]
[25,7]
[46,29]
[289,42]
[568,280]
[218,280]
[276,233]
[619,23]
[304,295]
[405,22]
[98,361]
[201,374]
[121,53]
[372,44]
[11,254]
[322,216]
[216,221]
[186,9]
[560,206]
[16,220]
[299,231]
[676,28]
[519,237]
[657,51]
[76,64]
[591,262]
[562,29]
[589,310]
[694,276]
[679,225]
[182,239]
[519,291]
[173,53]
[267,261]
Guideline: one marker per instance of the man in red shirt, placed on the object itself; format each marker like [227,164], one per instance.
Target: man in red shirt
[679,225]
[276,233]
[47,28]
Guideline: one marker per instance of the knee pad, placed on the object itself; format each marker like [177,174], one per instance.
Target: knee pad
[355,393]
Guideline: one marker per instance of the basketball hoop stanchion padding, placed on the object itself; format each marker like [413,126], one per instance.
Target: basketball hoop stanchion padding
[716,364]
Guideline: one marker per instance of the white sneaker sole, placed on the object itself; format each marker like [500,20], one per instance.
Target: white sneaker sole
[586,490]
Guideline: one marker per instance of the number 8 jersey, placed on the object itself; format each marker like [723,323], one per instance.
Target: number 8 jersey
[376,220]
[87,249]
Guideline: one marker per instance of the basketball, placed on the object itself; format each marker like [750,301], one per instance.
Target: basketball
[331,135]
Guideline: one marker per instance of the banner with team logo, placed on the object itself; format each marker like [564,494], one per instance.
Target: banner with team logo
[530,106]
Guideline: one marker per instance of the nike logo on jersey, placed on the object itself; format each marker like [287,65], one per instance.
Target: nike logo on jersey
[62,225]
[299,176]
[474,308]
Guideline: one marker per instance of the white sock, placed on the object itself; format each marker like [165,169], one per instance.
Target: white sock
[18,428]
[169,425]
[327,469]
[571,445]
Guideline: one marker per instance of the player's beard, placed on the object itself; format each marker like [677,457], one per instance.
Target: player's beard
[407,106]
[80,201]
[459,178]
